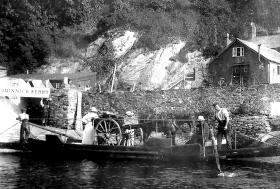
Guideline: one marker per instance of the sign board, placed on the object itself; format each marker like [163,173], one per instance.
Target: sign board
[25,92]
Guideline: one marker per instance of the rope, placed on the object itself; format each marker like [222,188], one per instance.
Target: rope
[77,133]
[8,128]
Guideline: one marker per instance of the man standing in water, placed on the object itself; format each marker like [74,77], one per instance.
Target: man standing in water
[222,116]
[24,128]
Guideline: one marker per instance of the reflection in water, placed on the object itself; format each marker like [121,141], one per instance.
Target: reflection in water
[28,172]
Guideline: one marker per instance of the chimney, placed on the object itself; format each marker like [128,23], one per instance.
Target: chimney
[261,66]
[253,30]
[259,51]
[228,40]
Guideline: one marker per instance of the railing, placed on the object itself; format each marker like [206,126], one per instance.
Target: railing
[182,78]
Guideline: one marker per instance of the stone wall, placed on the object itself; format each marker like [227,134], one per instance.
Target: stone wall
[59,109]
[249,107]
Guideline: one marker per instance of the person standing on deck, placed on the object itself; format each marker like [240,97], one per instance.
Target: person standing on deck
[128,136]
[46,111]
[24,128]
[222,116]
[89,130]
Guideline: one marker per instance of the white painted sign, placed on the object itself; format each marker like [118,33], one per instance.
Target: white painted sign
[25,92]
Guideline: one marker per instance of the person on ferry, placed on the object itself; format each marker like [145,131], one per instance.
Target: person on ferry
[128,136]
[200,131]
[89,130]
[24,128]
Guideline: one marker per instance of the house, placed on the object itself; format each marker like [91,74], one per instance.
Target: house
[80,80]
[244,62]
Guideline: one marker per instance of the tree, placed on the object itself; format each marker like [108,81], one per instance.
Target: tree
[22,44]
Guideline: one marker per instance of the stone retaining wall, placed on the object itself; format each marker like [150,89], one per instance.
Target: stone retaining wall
[249,107]
[59,109]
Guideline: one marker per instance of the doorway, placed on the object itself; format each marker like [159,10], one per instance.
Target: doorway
[240,75]
[34,109]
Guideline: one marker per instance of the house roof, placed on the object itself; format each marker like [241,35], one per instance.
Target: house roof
[58,76]
[267,53]
[270,41]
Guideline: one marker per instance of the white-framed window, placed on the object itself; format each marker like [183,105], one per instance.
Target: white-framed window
[278,70]
[237,51]
[57,85]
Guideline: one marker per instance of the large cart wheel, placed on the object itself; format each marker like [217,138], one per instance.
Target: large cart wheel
[108,132]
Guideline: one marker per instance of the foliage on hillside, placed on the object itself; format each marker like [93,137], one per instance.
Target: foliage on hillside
[32,30]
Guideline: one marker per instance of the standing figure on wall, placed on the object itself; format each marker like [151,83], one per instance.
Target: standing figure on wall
[89,131]
[24,128]
[222,116]
[46,112]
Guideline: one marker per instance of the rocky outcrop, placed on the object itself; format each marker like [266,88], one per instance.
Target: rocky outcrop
[144,69]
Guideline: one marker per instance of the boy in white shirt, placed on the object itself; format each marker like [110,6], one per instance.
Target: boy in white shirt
[24,128]
[222,116]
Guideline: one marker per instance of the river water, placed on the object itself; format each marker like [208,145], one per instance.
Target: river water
[25,171]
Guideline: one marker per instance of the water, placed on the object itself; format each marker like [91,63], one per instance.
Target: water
[25,171]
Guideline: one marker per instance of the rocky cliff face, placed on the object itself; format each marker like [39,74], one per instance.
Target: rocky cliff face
[168,67]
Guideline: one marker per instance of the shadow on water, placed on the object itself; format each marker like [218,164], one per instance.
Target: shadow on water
[26,171]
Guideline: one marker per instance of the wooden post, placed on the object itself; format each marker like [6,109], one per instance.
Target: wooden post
[203,142]
[156,123]
[113,80]
[235,137]
[99,87]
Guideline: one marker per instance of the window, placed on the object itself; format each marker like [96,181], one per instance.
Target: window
[237,51]
[278,70]
[57,85]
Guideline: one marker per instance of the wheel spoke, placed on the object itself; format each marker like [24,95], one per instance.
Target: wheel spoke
[105,125]
[102,127]
[109,127]
[98,130]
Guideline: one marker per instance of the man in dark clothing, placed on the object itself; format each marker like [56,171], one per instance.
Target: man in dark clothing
[222,116]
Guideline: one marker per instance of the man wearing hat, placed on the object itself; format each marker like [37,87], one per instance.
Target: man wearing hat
[89,130]
[128,136]
[200,131]
[24,128]
[222,116]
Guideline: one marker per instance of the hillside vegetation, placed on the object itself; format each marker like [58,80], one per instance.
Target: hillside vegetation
[34,32]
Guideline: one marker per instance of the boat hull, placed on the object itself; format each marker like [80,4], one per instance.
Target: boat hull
[53,147]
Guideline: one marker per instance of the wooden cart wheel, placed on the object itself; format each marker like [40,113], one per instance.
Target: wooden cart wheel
[108,132]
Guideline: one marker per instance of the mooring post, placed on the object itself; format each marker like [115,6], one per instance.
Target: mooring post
[156,123]
[235,137]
